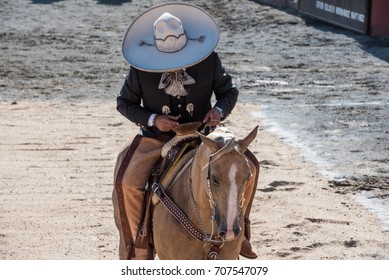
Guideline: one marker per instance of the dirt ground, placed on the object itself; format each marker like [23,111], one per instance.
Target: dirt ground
[62,68]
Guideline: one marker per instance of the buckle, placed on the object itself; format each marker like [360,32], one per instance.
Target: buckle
[156,187]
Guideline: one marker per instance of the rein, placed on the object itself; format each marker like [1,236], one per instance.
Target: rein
[177,213]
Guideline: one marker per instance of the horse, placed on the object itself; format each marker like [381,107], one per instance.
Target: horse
[210,190]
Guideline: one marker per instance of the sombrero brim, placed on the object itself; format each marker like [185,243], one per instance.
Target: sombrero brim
[146,57]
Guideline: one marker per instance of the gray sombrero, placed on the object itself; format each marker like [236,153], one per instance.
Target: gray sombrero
[169,37]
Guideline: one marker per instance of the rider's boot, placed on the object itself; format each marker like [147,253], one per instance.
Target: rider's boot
[251,187]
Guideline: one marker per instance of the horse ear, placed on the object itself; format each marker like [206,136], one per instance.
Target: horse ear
[212,145]
[244,143]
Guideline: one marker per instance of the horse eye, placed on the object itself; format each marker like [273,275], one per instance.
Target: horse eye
[215,181]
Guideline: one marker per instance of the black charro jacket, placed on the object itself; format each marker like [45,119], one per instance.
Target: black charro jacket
[140,96]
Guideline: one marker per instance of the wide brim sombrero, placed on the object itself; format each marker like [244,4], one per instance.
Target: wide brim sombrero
[138,43]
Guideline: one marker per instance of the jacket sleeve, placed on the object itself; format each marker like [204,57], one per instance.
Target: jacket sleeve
[225,90]
[130,99]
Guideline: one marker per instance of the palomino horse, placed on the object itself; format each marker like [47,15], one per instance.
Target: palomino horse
[209,189]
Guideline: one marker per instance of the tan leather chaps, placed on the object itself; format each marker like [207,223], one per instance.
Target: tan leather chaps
[133,168]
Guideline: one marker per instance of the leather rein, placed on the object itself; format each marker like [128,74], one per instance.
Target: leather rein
[180,216]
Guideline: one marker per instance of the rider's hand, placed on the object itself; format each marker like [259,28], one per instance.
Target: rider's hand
[166,123]
[212,118]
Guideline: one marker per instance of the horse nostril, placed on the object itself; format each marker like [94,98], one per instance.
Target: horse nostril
[222,234]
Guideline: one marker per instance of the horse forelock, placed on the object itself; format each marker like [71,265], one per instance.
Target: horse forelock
[222,136]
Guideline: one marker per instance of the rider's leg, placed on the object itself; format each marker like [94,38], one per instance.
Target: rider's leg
[129,208]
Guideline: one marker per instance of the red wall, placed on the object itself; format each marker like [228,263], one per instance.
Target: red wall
[379,18]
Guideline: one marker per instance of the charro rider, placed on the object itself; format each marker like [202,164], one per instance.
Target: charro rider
[174,72]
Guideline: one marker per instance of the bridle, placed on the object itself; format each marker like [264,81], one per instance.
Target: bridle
[215,241]
[211,238]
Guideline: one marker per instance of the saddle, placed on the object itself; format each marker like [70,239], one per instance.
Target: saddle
[174,155]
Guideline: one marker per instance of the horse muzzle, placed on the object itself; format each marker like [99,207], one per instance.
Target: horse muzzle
[228,231]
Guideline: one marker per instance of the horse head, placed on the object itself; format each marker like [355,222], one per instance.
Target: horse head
[226,172]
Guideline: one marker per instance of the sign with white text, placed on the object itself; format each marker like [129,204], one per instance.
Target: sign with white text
[350,14]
